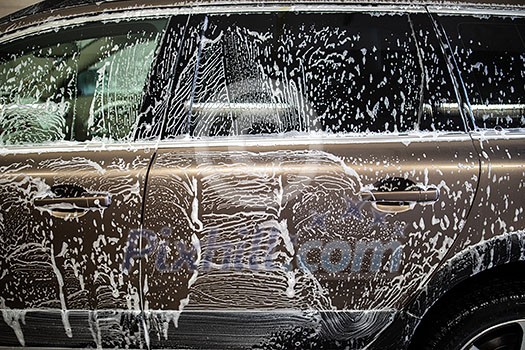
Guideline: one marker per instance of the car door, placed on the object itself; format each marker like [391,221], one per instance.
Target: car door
[320,183]
[489,53]
[72,181]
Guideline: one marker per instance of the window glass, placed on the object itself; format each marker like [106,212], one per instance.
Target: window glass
[77,84]
[491,56]
[167,101]
[295,73]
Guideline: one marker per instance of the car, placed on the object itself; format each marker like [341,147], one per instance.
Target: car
[262,175]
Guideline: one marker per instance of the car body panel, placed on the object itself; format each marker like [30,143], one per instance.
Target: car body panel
[258,228]
[67,261]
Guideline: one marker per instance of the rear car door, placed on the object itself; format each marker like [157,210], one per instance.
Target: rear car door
[490,55]
[310,181]
[72,180]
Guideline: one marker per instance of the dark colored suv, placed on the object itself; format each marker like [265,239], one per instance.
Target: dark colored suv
[262,175]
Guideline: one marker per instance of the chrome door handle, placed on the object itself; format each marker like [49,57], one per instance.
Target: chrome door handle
[417,196]
[83,202]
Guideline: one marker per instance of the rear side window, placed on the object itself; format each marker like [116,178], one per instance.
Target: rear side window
[78,84]
[491,56]
[277,73]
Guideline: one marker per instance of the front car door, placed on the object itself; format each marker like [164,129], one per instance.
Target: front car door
[319,181]
[72,181]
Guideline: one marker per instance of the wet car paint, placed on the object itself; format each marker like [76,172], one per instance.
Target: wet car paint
[245,237]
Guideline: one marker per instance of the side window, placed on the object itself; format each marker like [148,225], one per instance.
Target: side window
[77,84]
[491,57]
[167,101]
[278,73]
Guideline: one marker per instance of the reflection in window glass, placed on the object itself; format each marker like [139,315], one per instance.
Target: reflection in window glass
[79,84]
[293,73]
[491,56]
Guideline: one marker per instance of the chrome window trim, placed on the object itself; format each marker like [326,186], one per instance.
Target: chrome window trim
[492,134]
[246,141]
[136,14]
[71,147]
[313,140]
[476,11]
[57,22]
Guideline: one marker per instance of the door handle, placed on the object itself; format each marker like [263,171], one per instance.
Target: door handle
[83,202]
[392,197]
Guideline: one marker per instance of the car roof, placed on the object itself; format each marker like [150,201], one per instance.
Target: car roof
[53,5]
[42,11]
